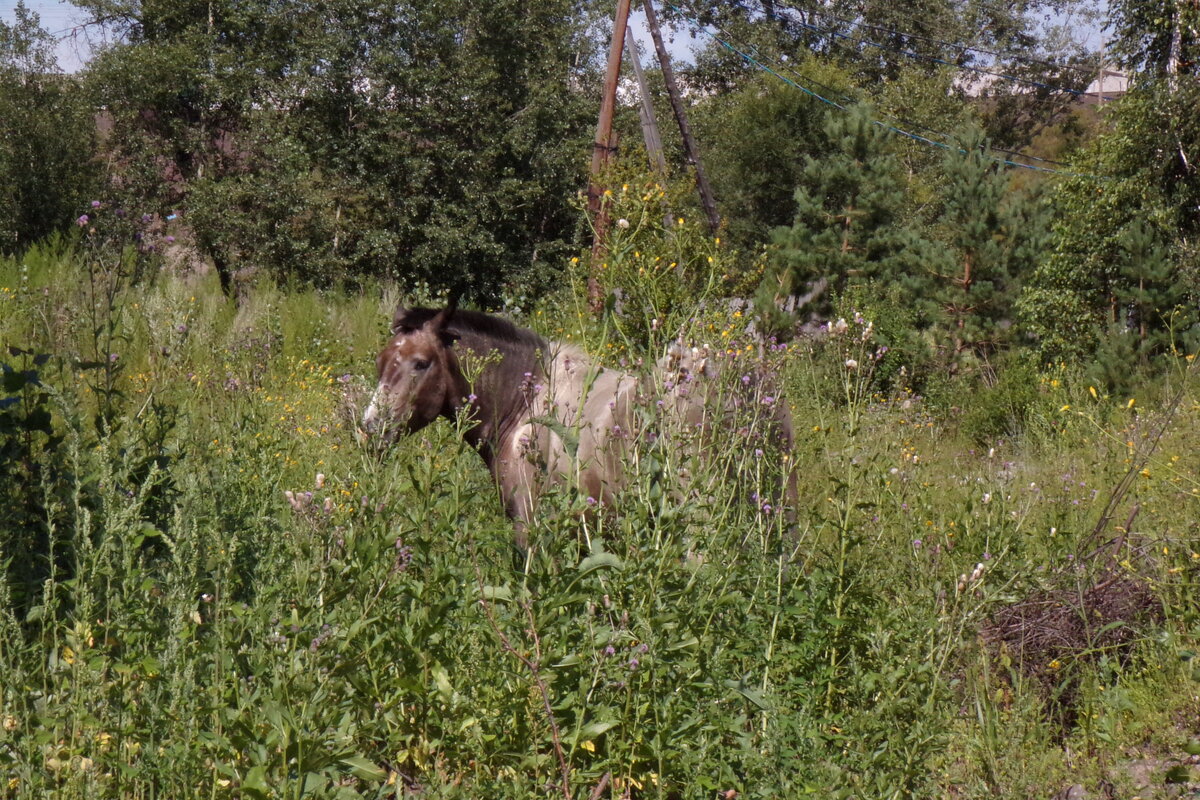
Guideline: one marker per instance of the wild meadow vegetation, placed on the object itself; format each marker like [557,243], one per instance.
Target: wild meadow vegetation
[976,296]
[213,587]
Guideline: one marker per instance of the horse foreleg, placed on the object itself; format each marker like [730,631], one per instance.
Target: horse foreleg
[519,481]
[516,483]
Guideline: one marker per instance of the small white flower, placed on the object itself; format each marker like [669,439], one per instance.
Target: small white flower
[851,363]
[987,497]
[838,327]
[622,223]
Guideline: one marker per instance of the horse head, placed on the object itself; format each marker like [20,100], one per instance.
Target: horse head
[419,378]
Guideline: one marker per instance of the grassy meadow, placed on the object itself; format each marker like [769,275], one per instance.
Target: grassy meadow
[212,588]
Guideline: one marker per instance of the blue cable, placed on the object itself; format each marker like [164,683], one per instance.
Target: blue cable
[756,63]
[937,60]
[942,42]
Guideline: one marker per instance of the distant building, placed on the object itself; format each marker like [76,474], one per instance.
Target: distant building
[1104,88]
[1109,85]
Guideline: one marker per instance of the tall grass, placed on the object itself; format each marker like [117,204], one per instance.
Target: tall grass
[211,588]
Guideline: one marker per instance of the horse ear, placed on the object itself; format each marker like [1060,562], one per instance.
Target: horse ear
[398,325]
[442,318]
[439,324]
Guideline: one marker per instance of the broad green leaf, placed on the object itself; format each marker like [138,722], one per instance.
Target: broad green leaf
[599,561]
[362,767]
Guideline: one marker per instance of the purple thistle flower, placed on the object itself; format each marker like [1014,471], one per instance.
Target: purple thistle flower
[82,221]
[95,204]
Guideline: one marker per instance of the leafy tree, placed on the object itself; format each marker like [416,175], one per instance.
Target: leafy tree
[879,40]
[436,141]
[1158,37]
[755,143]
[1147,291]
[1140,173]
[46,136]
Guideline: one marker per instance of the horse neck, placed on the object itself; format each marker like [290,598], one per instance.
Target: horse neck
[500,399]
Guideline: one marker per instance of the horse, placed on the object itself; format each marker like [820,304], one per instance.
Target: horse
[536,410]
[528,401]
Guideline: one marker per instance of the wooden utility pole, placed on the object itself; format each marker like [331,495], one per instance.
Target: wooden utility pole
[685,130]
[604,147]
[650,134]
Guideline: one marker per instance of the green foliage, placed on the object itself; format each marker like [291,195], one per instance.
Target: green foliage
[1004,409]
[755,141]
[30,465]
[433,144]
[991,236]
[849,228]
[904,358]
[1122,250]
[244,600]
[656,272]
[46,136]
[1155,37]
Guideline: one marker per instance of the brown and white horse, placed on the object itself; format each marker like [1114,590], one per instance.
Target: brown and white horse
[542,411]
[527,399]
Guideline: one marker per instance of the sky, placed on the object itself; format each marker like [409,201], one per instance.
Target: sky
[59,19]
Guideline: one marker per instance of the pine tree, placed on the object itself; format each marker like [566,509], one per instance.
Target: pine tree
[849,229]
[1149,302]
[986,229]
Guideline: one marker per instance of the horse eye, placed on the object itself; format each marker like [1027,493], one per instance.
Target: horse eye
[420,365]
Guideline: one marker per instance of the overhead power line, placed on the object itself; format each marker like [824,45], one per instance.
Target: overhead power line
[696,25]
[934,59]
[942,42]
[763,60]
[809,80]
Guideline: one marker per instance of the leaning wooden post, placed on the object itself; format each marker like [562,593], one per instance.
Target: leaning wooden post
[689,144]
[603,149]
[650,134]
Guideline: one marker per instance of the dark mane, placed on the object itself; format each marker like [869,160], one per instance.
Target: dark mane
[475,324]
